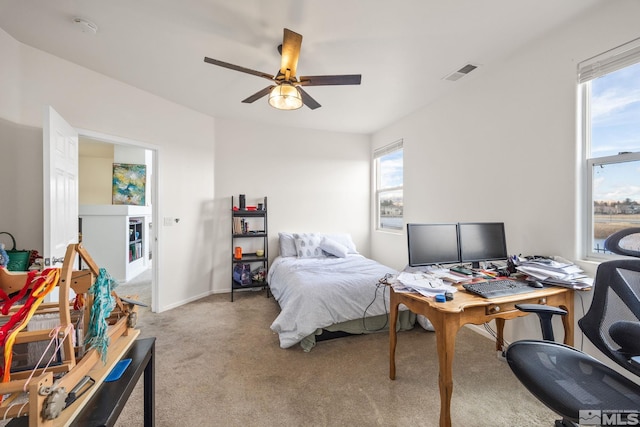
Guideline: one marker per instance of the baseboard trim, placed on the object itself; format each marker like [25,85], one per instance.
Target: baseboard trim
[186,301]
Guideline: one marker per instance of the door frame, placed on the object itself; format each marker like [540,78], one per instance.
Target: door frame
[154,239]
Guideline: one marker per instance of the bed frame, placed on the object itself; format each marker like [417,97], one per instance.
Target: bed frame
[406,321]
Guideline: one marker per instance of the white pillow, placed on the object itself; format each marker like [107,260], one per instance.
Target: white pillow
[345,240]
[333,248]
[308,245]
[287,245]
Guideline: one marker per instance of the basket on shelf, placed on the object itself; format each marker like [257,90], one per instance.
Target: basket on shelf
[242,274]
[19,260]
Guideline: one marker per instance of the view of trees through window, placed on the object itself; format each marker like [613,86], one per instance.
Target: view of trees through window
[389,192]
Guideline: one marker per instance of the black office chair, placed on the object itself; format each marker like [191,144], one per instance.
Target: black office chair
[569,381]
[621,244]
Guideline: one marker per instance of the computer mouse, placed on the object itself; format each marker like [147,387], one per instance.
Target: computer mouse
[536,284]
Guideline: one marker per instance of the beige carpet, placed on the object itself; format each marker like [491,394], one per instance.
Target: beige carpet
[219,364]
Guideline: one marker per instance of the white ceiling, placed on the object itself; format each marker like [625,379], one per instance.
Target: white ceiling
[402,48]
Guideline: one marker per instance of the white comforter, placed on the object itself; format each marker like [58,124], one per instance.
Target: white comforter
[317,292]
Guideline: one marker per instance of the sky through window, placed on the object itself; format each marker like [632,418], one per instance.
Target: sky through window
[615,128]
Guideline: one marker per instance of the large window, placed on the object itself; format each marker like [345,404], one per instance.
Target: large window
[388,166]
[610,102]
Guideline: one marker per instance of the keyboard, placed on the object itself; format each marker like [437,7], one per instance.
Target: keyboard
[498,288]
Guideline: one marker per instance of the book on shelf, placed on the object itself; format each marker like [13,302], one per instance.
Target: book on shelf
[238,225]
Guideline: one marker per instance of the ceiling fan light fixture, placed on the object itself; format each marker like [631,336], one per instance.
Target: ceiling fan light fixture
[285,96]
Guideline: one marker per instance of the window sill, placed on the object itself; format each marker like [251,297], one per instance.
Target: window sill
[393,231]
[589,266]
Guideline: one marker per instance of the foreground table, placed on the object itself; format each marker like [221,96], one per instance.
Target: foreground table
[107,403]
[103,405]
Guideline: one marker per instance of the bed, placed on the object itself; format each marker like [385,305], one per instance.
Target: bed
[324,286]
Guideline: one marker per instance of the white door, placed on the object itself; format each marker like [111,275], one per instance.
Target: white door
[60,187]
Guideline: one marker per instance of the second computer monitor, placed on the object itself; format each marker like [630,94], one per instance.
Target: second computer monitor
[482,241]
[431,244]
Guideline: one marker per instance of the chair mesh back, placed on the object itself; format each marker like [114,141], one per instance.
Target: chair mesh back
[615,311]
[616,297]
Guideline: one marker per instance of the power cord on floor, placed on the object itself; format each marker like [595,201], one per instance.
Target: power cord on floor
[382,283]
[505,344]
[502,354]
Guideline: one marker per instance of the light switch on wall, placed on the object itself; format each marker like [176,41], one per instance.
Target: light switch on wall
[169,221]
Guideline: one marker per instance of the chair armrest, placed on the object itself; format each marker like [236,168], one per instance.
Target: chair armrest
[541,308]
[545,313]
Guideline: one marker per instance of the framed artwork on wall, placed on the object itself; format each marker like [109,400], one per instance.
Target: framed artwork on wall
[128,184]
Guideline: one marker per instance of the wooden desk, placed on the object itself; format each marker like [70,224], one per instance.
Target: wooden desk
[448,317]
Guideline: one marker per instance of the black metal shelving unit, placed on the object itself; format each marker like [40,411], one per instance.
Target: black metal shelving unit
[240,234]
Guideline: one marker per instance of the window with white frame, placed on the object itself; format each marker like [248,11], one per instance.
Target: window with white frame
[610,104]
[388,167]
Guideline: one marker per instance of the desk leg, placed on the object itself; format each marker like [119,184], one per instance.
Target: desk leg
[567,320]
[499,333]
[446,329]
[149,390]
[393,335]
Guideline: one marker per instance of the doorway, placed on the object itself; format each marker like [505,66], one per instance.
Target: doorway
[97,155]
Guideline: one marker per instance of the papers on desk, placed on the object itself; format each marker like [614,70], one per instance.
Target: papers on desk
[553,271]
[427,284]
[440,273]
[448,276]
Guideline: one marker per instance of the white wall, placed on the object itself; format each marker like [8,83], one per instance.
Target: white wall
[10,78]
[503,146]
[315,181]
[184,139]
[21,184]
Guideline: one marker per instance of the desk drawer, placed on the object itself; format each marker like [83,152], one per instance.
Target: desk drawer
[508,306]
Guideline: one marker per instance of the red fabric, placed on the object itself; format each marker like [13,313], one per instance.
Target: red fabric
[8,302]
[17,317]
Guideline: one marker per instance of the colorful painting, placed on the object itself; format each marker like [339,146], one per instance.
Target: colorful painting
[129,184]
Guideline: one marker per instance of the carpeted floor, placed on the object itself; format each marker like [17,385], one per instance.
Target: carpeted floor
[219,364]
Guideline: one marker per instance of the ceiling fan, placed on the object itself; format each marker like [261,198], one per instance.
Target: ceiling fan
[286,91]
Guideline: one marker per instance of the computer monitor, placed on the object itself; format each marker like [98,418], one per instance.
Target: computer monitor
[482,241]
[431,244]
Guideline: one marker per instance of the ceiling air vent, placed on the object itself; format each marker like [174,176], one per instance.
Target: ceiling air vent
[456,75]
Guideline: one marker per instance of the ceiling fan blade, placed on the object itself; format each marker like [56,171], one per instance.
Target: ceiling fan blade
[238,68]
[344,79]
[308,100]
[291,43]
[258,95]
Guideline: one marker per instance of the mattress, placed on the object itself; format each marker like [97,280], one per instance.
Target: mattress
[327,292]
